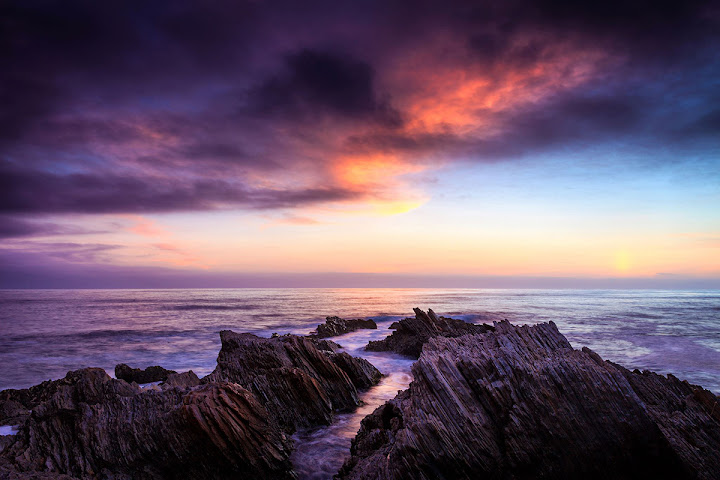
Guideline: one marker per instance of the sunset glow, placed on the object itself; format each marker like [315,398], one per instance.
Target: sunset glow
[503,141]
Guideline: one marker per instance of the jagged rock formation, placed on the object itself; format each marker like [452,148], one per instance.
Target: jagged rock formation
[181,380]
[326,345]
[149,375]
[232,424]
[89,425]
[412,333]
[335,326]
[521,403]
[300,384]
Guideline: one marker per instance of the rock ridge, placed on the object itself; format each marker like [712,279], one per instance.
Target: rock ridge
[412,333]
[335,326]
[300,384]
[521,403]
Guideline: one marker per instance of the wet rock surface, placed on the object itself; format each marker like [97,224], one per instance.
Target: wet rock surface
[335,326]
[151,374]
[412,333]
[521,403]
[300,384]
[89,425]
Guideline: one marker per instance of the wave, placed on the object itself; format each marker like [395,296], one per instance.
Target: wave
[213,307]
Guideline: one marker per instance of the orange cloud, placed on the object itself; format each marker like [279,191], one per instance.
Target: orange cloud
[144,226]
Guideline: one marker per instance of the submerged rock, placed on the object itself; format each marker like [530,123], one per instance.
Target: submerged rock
[149,375]
[300,384]
[412,333]
[521,403]
[89,425]
[335,326]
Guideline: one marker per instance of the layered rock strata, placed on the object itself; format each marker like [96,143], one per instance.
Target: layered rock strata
[521,403]
[412,333]
[231,424]
[335,326]
[89,425]
[300,384]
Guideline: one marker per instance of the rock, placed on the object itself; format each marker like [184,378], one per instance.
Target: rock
[8,472]
[92,426]
[12,411]
[149,375]
[181,380]
[326,345]
[362,373]
[412,333]
[299,384]
[335,326]
[521,403]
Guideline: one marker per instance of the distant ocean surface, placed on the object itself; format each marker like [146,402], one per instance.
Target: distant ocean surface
[46,333]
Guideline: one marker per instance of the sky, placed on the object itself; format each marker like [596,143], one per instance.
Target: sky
[178,143]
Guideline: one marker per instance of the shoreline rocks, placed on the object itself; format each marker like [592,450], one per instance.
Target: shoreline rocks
[335,326]
[502,401]
[300,384]
[412,333]
[94,426]
[521,403]
[151,374]
[233,423]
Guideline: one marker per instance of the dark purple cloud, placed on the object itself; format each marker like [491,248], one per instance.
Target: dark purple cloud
[14,227]
[33,191]
[316,82]
[182,105]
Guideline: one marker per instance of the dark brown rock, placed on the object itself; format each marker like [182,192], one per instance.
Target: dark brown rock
[93,426]
[181,380]
[335,326]
[362,373]
[412,333]
[326,345]
[521,403]
[9,472]
[149,375]
[299,384]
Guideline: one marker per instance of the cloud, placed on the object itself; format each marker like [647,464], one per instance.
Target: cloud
[187,106]
[144,226]
[38,192]
[18,227]
[317,82]
[30,253]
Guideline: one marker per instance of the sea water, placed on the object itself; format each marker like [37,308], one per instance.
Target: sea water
[45,333]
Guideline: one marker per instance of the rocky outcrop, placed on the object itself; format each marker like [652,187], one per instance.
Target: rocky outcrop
[232,424]
[412,333]
[181,380]
[326,345]
[149,375]
[300,384]
[335,326]
[89,425]
[521,403]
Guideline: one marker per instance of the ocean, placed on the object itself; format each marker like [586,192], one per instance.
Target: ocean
[45,333]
